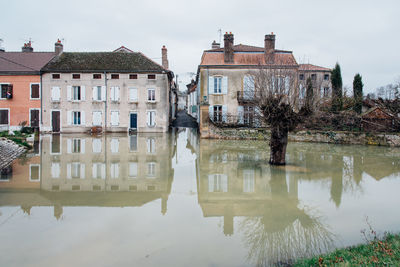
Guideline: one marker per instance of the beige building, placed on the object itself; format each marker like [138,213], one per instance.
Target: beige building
[225,84]
[321,81]
[117,91]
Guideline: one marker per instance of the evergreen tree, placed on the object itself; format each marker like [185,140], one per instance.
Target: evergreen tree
[337,91]
[309,96]
[358,93]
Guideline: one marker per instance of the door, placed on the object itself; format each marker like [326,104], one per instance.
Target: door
[55,121]
[133,121]
[34,118]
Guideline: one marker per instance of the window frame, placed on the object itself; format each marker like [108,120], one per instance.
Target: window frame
[150,76]
[215,81]
[1,90]
[217,113]
[151,95]
[133,76]
[56,76]
[96,76]
[76,76]
[152,118]
[30,91]
[114,76]
[8,116]
[73,118]
[30,172]
[79,92]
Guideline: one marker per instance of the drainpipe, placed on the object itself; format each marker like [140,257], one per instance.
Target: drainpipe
[41,102]
[105,103]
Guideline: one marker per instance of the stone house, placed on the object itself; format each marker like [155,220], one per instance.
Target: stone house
[20,89]
[192,100]
[224,79]
[321,81]
[115,91]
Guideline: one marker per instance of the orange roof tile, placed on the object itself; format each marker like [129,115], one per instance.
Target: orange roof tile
[216,57]
[310,67]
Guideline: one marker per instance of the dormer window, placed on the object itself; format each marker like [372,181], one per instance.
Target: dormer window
[151,76]
[76,76]
[97,76]
[133,76]
[55,76]
[114,76]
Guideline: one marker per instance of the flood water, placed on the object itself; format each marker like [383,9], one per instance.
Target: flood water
[174,200]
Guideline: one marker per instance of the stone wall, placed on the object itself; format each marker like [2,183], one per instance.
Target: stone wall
[9,151]
[336,137]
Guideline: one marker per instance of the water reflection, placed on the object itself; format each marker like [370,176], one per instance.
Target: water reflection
[80,170]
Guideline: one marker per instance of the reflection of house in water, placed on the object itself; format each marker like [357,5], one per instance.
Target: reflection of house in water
[108,170]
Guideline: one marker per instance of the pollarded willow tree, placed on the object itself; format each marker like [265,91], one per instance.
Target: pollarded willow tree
[275,95]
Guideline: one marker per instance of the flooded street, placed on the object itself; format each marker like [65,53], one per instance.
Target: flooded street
[174,200]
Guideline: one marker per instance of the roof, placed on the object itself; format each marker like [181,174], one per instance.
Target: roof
[310,67]
[102,61]
[23,62]
[246,55]
[377,112]
[123,49]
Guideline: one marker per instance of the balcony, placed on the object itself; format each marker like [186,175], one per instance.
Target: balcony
[244,97]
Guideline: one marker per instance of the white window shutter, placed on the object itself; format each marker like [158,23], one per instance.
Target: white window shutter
[211,111]
[94,170]
[224,182]
[69,117]
[224,85]
[83,93]
[117,93]
[82,171]
[112,92]
[83,122]
[69,92]
[103,93]
[103,171]
[69,171]
[69,146]
[287,85]
[117,170]
[58,93]
[240,111]
[94,94]
[83,146]
[148,118]
[210,183]
[211,85]
[224,113]
[133,94]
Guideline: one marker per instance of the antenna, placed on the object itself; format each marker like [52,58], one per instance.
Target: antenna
[220,35]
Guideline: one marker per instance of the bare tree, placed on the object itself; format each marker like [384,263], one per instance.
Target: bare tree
[275,98]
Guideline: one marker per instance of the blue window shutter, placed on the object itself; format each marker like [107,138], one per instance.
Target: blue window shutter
[224,85]
[240,111]
[211,85]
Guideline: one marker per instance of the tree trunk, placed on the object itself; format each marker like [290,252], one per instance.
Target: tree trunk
[277,145]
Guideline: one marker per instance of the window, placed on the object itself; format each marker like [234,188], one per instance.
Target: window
[6,91]
[76,76]
[98,170]
[55,144]
[301,77]
[326,77]
[217,85]
[76,93]
[55,76]
[35,91]
[133,76]
[114,118]
[76,146]
[55,170]
[114,76]
[133,143]
[151,95]
[325,92]
[133,169]
[97,93]
[114,145]
[34,172]
[302,94]
[97,120]
[151,118]
[313,77]
[133,188]
[97,76]
[248,114]
[76,170]
[133,94]
[151,188]
[248,181]
[76,116]
[217,113]
[151,76]
[151,169]
[4,116]
[114,170]
[55,94]
[114,93]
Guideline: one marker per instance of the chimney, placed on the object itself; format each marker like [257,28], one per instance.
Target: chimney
[228,47]
[269,48]
[27,47]
[58,47]
[215,45]
[164,57]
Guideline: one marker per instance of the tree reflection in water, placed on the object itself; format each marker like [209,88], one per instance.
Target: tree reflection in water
[284,232]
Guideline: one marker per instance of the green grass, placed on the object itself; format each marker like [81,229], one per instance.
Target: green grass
[378,252]
[18,137]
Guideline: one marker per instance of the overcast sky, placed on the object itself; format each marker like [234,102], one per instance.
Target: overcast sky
[363,36]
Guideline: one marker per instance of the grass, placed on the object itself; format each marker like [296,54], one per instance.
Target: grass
[376,252]
[18,137]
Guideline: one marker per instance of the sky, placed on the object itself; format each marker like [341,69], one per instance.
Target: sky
[363,36]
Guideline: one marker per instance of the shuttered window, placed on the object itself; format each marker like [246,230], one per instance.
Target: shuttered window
[4,116]
[133,94]
[55,94]
[35,91]
[114,118]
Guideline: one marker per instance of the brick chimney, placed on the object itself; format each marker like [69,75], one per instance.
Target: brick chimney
[58,47]
[215,45]
[269,48]
[164,57]
[27,47]
[228,47]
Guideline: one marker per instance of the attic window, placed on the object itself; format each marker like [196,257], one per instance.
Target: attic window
[313,77]
[301,77]
[133,76]
[151,76]
[76,76]
[326,77]
[56,76]
[114,76]
[96,76]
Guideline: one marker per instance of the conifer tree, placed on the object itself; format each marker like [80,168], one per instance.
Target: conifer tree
[309,96]
[358,93]
[337,91]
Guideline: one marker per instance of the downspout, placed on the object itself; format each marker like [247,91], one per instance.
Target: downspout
[41,102]
[105,103]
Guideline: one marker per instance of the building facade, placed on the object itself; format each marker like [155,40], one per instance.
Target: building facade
[320,79]
[115,91]
[20,85]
